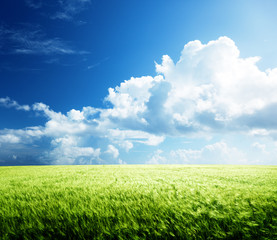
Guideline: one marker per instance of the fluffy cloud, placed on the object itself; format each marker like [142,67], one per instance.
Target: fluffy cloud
[8,103]
[129,101]
[67,151]
[113,151]
[9,138]
[76,115]
[27,135]
[210,89]
[70,135]
[212,86]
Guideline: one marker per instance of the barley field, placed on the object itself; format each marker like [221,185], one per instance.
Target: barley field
[138,202]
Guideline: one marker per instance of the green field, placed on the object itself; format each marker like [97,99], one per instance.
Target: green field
[138,202]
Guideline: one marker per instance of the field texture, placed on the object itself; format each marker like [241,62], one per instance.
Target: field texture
[138,202]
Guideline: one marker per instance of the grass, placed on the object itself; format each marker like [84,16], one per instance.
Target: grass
[138,202]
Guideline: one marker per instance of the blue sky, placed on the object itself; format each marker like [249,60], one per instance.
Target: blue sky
[144,82]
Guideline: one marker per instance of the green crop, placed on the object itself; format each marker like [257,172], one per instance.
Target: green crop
[138,202]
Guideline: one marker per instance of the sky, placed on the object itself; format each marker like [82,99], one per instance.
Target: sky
[138,82]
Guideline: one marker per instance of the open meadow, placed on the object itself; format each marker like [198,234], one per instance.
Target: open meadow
[138,202]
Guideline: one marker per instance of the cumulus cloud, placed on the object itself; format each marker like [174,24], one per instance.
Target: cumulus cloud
[59,124]
[9,138]
[76,115]
[130,98]
[210,89]
[71,133]
[67,151]
[113,151]
[212,80]
[8,103]
[22,136]
[126,145]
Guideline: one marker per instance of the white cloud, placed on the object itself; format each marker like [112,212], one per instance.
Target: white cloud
[22,136]
[8,103]
[113,151]
[70,132]
[185,156]
[69,8]
[127,145]
[213,78]
[130,98]
[211,89]
[67,151]
[135,136]
[120,161]
[9,138]
[259,132]
[259,146]
[60,124]
[157,158]
[217,153]
[34,41]
[76,115]
[66,9]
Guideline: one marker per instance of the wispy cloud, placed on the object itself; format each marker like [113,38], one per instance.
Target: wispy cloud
[69,8]
[36,43]
[98,63]
[25,41]
[61,9]
[36,4]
